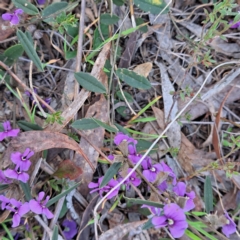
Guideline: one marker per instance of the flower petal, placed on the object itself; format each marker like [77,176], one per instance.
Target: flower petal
[7,17]
[159,221]
[16,157]
[93,185]
[18,11]
[180,189]
[16,220]
[35,206]
[15,20]
[3,135]
[23,177]
[40,196]
[13,132]
[11,174]
[24,209]
[47,213]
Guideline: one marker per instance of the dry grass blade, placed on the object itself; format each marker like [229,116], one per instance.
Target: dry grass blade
[215,139]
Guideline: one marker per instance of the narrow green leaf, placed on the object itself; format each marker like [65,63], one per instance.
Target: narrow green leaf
[192,235]
[27,126]
[148,225]
[104,125]
[119,2]
[208,195]
[14,52]
[26,6]
[122,129]
[53,8]
[29,49]
[147,119]
[143,202]
[55,233]
[89,82]
[26,189]
[152,6]
[3,186]
[84,124]
[63,194]
[113,170]
[108,19]
[127,96]
[133,79]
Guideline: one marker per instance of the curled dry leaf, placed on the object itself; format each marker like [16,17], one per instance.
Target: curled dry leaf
[68,169]
[39,141]
[143,69]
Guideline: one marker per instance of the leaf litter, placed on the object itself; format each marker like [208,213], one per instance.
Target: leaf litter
[171,58]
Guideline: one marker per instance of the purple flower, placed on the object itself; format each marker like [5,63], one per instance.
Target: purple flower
[8,131]
[122,137]
[230,226]
[70,229]
[150,171]
[180,190]
[16,174]
[134,158]
[4,201]
[13,17]
[3,178]
[173,217]
[47,100]
[111,184]
[41,2]
[22,159]
[132,179]
[19,210]
[235,25]
[39,206]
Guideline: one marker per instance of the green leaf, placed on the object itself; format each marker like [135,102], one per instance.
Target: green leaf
[3,186]
[192,235]
[89,82]
[152,6]
[113,170]
[140,21]
[56,198]
[27,126]
[14,52]
[26,189]
[148,225]
[84,124]
[70,54]
[53,8]
[122,129]
[133,79]
[127,96]
[119,2]
[55,233]
[26,6]
[147,119]
[64,209]
[104,125]
[108,19]
[208,195]
[29,49]
[143,202]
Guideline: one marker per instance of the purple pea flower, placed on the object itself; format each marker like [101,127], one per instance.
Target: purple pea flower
[8,131]
[70,229]
[41,2]
[230,226]
[22,159]
[173,217]
[4,201]
[3,178]
[111,184]
[235,25]
[16,174]
[150,171]
[47,100]
[123,137]
[132,179]
[19,210]
[180,190]
[13,17]
[39,206]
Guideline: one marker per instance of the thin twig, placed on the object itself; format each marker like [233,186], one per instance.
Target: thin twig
[24,86]
[80,45]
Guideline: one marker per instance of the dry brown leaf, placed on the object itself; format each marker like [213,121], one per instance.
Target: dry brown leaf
[41,140]
[96,136]
[121,230]
[5,29]
[143,69]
